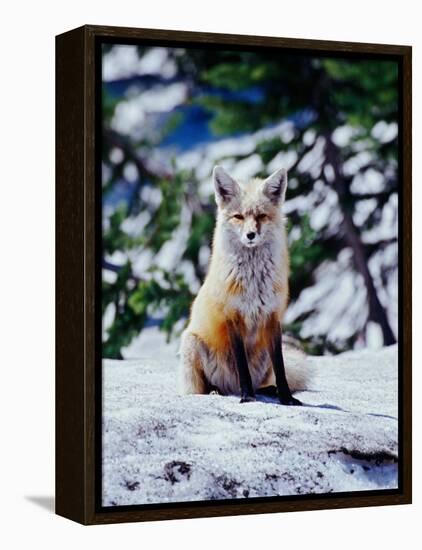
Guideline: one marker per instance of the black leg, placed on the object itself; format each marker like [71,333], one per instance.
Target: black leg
[268,391]
[239,354]
[284,394]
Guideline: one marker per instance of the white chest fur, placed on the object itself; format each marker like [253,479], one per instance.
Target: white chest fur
[257,272]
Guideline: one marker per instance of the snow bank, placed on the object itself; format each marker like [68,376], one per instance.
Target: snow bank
[162,447]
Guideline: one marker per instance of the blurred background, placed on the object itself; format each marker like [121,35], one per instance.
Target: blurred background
[171,114]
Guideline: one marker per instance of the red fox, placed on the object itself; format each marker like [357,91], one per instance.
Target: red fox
[233,342]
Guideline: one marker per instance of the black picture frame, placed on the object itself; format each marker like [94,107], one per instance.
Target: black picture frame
[78,278]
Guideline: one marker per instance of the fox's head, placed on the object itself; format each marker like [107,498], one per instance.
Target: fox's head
[250,212]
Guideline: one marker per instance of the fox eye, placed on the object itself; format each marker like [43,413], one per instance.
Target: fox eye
[238,216]
[261,217]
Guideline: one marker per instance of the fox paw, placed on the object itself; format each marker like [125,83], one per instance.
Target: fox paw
[292,401]
[247,399]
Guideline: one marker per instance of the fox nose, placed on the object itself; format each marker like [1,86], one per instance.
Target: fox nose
[251,235]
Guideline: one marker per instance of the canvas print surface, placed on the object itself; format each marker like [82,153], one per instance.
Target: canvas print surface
[250,279]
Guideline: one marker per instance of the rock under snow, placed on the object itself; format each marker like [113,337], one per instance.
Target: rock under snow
[159,446]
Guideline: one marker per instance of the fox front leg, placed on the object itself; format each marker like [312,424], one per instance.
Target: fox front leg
[284,394]
[247,393]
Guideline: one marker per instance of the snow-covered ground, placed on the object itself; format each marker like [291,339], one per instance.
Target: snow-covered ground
[159,446]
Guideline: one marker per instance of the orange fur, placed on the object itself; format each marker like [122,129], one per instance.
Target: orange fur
[212,327]
[265,333]
[234,288]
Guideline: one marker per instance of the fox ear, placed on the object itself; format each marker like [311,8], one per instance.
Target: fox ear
[225,186]
[275,185]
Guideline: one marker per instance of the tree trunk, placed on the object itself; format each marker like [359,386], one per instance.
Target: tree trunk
[351,234]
